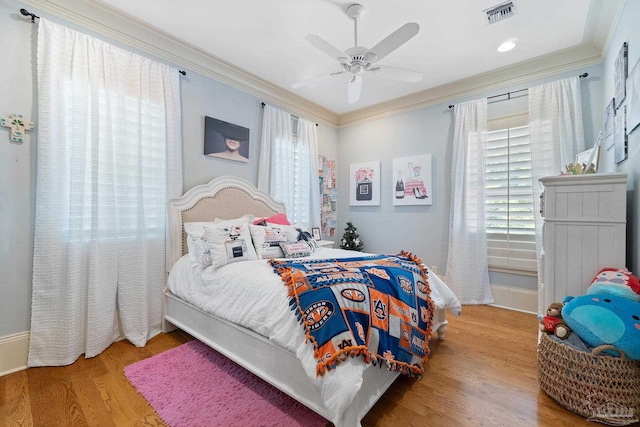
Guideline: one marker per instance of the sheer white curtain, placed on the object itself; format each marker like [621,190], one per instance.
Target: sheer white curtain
[109,157]
[556,134]
[467,265]
[307,210]
[288,165]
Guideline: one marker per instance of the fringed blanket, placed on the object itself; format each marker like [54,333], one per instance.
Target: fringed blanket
[377,307]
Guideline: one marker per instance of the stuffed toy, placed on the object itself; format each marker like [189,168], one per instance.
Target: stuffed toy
[616,282]
[605,319]
[552,323]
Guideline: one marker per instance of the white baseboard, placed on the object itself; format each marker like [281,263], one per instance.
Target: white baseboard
[14,350]
[515,298]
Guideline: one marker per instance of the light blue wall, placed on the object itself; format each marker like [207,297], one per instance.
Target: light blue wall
[201,96]
[17,170]
[626,30]
[424,230]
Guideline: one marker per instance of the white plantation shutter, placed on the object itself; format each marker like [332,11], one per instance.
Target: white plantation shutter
[510,221]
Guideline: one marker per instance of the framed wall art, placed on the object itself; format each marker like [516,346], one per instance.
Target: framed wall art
[364,184]
[412,181]
[609,114]
[620,136]
[633,98]
[225,140]
[620,73]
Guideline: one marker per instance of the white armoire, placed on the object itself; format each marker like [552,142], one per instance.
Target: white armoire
[584,230]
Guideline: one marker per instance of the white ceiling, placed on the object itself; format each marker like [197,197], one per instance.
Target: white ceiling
[266,38]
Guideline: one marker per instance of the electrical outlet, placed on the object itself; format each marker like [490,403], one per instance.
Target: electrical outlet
[434,269]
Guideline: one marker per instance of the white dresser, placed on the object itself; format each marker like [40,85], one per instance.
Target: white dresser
[584,230]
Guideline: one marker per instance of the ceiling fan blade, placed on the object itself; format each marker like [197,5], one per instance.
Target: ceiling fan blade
[354,88]
[327,47]
[316,79]
[393,41]
[395,73]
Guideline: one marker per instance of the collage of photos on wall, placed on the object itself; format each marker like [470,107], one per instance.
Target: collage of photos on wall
[622,115]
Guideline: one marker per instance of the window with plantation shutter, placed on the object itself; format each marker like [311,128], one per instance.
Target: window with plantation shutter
[509,196]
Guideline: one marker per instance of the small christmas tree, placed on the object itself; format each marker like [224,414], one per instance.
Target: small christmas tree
[350,239]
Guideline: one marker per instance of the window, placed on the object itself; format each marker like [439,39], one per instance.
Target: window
[509,207]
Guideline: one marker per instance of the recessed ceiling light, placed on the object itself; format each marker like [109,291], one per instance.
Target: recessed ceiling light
[506,46]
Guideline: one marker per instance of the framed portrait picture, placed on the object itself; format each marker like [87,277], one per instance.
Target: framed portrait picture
[620,74]
[412,181]
[315,233]
[225,140]
[364,184]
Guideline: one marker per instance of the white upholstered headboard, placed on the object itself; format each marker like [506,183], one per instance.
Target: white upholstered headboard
[226,197]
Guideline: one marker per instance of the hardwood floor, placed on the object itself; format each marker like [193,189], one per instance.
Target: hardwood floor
[482,374]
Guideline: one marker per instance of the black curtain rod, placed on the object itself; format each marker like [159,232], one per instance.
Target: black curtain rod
[295,117]
[33,16]
[508,94]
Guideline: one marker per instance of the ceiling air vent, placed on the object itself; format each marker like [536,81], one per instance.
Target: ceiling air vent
[500,12]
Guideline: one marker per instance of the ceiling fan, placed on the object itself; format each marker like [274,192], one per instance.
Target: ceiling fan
[359,60]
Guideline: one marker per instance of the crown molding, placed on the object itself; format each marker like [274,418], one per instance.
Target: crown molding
[107,21]
[521,73]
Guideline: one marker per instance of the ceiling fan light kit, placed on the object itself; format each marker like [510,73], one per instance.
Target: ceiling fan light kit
[358,60]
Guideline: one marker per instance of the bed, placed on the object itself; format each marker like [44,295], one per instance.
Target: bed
[227,198]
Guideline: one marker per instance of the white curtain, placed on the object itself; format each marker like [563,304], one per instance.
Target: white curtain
[556,135]
[109,157]
[467,264]
[288,165]
[307,212]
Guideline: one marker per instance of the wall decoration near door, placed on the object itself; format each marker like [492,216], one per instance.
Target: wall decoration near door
[610,112]
[225,140]
[328,196]
[412,181]
[364,186]
[633,98]
[620,73]
[620,135]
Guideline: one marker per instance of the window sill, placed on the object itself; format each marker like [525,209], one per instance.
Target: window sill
[514,271]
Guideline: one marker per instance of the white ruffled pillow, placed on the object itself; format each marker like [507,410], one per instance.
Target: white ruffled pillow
[219,243]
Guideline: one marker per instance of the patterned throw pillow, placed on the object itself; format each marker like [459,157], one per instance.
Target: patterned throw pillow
[296,249]
[219,243]
[267,239]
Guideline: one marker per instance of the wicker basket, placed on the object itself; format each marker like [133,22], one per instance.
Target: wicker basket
[598,387]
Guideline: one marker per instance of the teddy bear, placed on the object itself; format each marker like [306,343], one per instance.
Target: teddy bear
[553,323]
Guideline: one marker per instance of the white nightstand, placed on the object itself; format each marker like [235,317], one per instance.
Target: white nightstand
[325,243]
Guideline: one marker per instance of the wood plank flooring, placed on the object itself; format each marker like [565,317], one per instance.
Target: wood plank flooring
[482,374]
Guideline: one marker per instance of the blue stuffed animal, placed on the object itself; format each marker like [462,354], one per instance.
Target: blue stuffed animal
[605,319]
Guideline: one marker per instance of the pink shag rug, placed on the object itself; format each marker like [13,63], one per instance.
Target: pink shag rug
[194,385]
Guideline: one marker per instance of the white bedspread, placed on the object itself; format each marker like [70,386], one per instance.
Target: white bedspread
[250,294]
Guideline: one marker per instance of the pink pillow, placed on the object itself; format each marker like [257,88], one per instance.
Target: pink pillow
[280,219]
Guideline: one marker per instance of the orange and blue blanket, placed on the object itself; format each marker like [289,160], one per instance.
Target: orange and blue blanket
[377,307]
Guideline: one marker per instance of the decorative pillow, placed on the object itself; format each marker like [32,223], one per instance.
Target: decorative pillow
[296,233]
[267,239]
[296,249]
[280,219]
[219,243]
[242,220]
